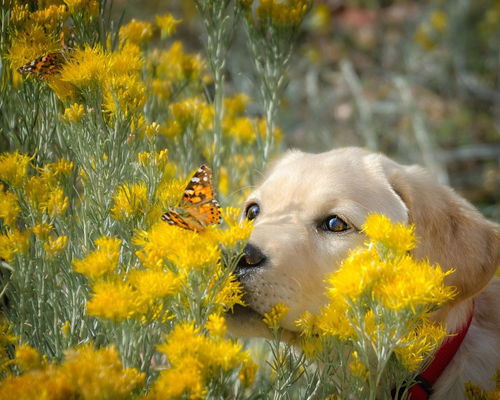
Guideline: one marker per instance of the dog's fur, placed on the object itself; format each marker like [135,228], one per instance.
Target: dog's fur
[303,189]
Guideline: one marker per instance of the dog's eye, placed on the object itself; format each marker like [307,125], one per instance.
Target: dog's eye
[334,224]
[252,211]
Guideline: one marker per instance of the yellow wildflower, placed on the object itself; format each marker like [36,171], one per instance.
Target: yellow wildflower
[238,232]
[86,374]
[216,326]
[167,24]
[439,21]
[136,32]
[124,94]
[241,129]
[398,237]
[60,168]
[115,300]
[88,8]
[176,65]
[151,285]
[223,181]
[420,342]
[27,357]
[50,17]
[12,243]
[101,261]
[357,367]
[9,207]
[236,105]
[74,113]
[87,67]
[273,318]
[174,382]
[247,372]
[231,293]
[126,61]
[29,46]
[333,318]
[56,203]
[284,14]
[162,88]
[413,284]
[185,249]
[14,168]
[130,200]
[54,247]
[42,230]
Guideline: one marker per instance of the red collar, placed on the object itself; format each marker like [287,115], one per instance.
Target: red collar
[428,377]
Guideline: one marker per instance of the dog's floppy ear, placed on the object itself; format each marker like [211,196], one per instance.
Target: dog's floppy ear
[450,231]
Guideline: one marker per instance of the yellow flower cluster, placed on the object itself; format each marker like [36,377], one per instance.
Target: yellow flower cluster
[130,200]
[136,32]
[14,168]
[383,279]
[85,374]
[279,12]
[273,318]
[9,207]
[74,113]
[102,261]
[167,24]
[194,357]
[85,8]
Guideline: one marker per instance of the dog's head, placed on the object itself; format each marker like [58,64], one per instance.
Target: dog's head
[308,213]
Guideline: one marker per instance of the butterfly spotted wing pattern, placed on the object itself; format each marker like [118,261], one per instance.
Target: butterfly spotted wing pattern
[52,63]
[44,66]
[198,206]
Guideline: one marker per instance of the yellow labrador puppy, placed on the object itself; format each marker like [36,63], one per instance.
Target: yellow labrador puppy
[307,214]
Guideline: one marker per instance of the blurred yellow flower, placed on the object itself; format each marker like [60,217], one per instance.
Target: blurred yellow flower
[126,61]
[101,261]
[284,14]
[124,94]
[136,32]
[51,17]
[88,8]
[175,65]
[87,374]
[56,203]
[115,300]
[357,367]
[9,207]
[130,200]
[248,372]
[74,113]
[216,326]
[42,230]
[439,21]
[55,246]
[167,24]
[13,242]
[14,168]
[27,357]
[273,318]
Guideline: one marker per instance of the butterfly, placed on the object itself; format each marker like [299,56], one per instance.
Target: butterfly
[52,63]
[198,206]
[44,66]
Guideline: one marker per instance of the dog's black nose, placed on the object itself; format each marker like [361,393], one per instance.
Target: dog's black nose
[252,258]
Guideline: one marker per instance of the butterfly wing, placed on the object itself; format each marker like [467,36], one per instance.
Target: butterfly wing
[198,203]
[44,66]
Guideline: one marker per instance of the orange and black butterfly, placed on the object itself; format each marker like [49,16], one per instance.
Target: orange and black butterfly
[52,63]
[198,206]
[44,66]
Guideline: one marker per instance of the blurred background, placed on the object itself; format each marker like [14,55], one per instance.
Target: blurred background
[417,80]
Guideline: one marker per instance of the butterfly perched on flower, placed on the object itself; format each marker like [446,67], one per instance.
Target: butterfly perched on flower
[198,206]
[44,66]
[52,63]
